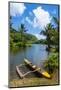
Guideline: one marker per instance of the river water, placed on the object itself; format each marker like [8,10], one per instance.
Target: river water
[37,54]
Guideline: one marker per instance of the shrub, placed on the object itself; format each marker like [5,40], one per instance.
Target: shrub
[52,63]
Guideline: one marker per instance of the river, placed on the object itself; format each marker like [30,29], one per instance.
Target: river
[36,54]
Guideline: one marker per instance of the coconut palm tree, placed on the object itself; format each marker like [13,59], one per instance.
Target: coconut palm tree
[22,31]
[47,33]
[56,22]
[56,36]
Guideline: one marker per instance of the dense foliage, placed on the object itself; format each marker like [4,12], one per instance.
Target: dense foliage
[52,37]
[52,63]
[21,38]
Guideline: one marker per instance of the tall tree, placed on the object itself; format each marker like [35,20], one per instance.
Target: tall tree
[22,31]
[47,33]
[56,35]
[56,22]
[10,22]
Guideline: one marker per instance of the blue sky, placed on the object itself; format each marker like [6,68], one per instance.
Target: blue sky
[35,17]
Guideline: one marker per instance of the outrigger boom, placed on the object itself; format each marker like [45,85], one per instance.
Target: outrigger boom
[34,69]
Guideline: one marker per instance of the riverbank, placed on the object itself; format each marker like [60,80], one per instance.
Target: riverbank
[34,81]
[38,58]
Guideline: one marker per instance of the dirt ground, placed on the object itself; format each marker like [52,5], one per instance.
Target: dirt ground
[35,81]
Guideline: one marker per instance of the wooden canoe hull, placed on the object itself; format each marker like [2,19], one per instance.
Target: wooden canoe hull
[39,72]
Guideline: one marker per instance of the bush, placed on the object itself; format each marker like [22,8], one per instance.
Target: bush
[52,63]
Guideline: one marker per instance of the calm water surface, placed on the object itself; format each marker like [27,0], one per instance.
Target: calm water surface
[36,54]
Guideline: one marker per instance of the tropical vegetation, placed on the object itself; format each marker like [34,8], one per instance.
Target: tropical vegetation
[20,38]
[53,44]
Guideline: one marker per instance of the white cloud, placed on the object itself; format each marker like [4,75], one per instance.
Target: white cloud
[17,9]
[42,17]
[28,20]
[33,23]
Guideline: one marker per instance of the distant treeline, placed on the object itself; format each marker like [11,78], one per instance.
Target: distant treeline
[42,41]
[21,38]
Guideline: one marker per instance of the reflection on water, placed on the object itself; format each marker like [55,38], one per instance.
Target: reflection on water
[36,54]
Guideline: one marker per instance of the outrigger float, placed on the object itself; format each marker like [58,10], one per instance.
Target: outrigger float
[33,68]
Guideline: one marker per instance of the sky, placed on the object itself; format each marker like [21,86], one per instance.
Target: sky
[35,17]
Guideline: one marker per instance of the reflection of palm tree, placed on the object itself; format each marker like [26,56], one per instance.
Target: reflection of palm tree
[46,32]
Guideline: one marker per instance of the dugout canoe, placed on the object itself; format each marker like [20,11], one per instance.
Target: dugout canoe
[38,70]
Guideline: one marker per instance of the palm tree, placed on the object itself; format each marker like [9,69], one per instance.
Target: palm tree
[56,32]
[10,22]
[56,22]
[47,33]
[22,31]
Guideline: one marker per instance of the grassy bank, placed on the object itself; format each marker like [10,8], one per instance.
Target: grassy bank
[35,81]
